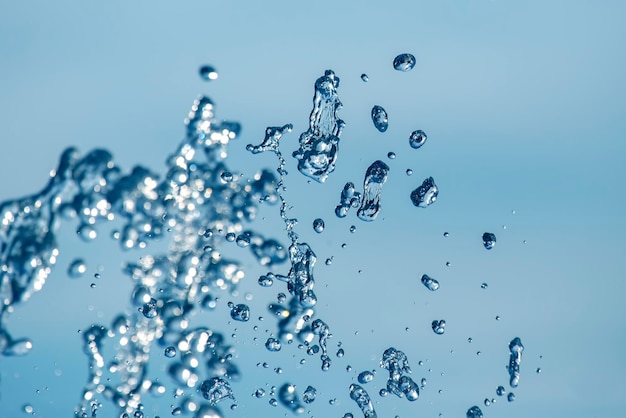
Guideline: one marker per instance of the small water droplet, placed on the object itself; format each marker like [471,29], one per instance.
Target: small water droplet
[208,73]
[474,412]
[500,391]
[426,194]
[391,155]
[170,352]
[380,118]
[77,268]
[438,326]
[365,377]
[409,172]
[417,139]
[489,240]
[272,344]
[510,397]
[318,225]
[484,286]
[404,62]
[365,78]
[430,283]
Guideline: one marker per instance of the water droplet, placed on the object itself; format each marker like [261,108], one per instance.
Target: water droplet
[538,370]
[474,412]
[484,286]
[309,395]
[340,353]
[391,155]
[318,225]
[430,283]
[363,401]
[439,326]
[231,236]
[170,352]
[417,139]
[243,240]
[365,78]
[380,118]
[77,268]
[500,391]
[510,397]
[87,232]
[266,281]
[215,390]
[515,358]
[28,409]
[352,229]
[273,402]
[489,240]
[289,398]
[149,309]
[208,73]
[272,344]
[239,312]
[365,377]
[375,177]
[226,176]
[487,402]
[404,62]
[426,194]
[259,393]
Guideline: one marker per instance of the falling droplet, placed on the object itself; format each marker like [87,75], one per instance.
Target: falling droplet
[500,391]
[380,118]
[208,73]
[309,395]
[417,139]
[404,62]
[489,240]
[375,177]
[515,347]
[391,155]
[409,172]
[510,397]
[240,312]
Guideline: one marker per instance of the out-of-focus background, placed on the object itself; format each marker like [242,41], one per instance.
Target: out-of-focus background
[523,105]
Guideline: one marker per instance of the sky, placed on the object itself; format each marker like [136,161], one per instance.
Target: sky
[523,106]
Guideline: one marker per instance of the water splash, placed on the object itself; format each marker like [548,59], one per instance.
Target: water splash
[375,177]
[380,118]
[319,145]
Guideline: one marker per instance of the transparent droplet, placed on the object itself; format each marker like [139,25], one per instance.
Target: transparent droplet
[439,326]
[239,312]
[272,344]
[365,377]
[226,176]
[215,390]
[417,139]
[375,178]
[500,391]
[353,229]
[208,73]
[363,401]
[231,236]
[266,281]
[309,395]
[487,402]
[149,309]
[484,286]
[426,194]
[391,155]
[77,268]
[489,240]
[430,283]
[474,412]
[340,353]
[364,78]
[380,118]
[170,352]
[259,393]
[510,397]
[404,62]
[409,172]
[318,225]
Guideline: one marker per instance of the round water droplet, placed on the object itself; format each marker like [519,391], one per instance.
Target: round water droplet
[259,393]
[231,236]
[77,268]
[409,172]
[365,78]
[487,402]
[500,391]
[87,232]
[266,281]
[226,176]
[417,139]
[365,377]
[149,309]
[489,240]
[353,229]
[208,73]
[243,240]
[391,155]
[272,344]
[474,412]
[318,225]
[404,62]
[170,352]
[380,118]
[240,312]
[510,397]
[484,286]
[340,353]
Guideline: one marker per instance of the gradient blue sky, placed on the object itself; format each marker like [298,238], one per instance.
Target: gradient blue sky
[524,108]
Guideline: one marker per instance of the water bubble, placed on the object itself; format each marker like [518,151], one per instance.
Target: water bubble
[474,412]
[426,194]
[362,399]
[489,240]
[375,177]
[365,377]
[272,344]
[77,268]
[500,391]
[417,139]
[439,326]
[510,397]
[309,395]
[239,312]
[380,118]
[364,78]
[404,62]
[208,73]
[170,352]
[430,283]
[215,390]
[318,225]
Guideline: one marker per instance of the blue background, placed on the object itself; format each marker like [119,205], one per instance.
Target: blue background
[523,105]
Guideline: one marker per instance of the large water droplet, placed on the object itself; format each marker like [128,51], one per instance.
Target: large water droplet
[426,194]
[404,62]
[417,139]
[239,312]
[380,118]
[363,400]
[272,344]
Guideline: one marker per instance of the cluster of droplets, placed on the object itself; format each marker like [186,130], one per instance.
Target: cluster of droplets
[401,385]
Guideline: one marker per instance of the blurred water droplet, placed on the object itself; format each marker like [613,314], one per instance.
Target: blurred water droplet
[404,62]
[208,73]
[425,194]
[510,397]
[149,309]
[484,286]
[500,391]
[226,176]
[364,78]
[77,268]
[380,118]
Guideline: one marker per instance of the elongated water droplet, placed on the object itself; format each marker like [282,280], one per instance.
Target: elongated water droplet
[404,62]
[515,347]
[380,118]
[430,283]
[208,73]
[426,194]
[375,177]
[417,139]
[363,400]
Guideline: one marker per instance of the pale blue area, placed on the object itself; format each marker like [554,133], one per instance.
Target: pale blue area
[523,104]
